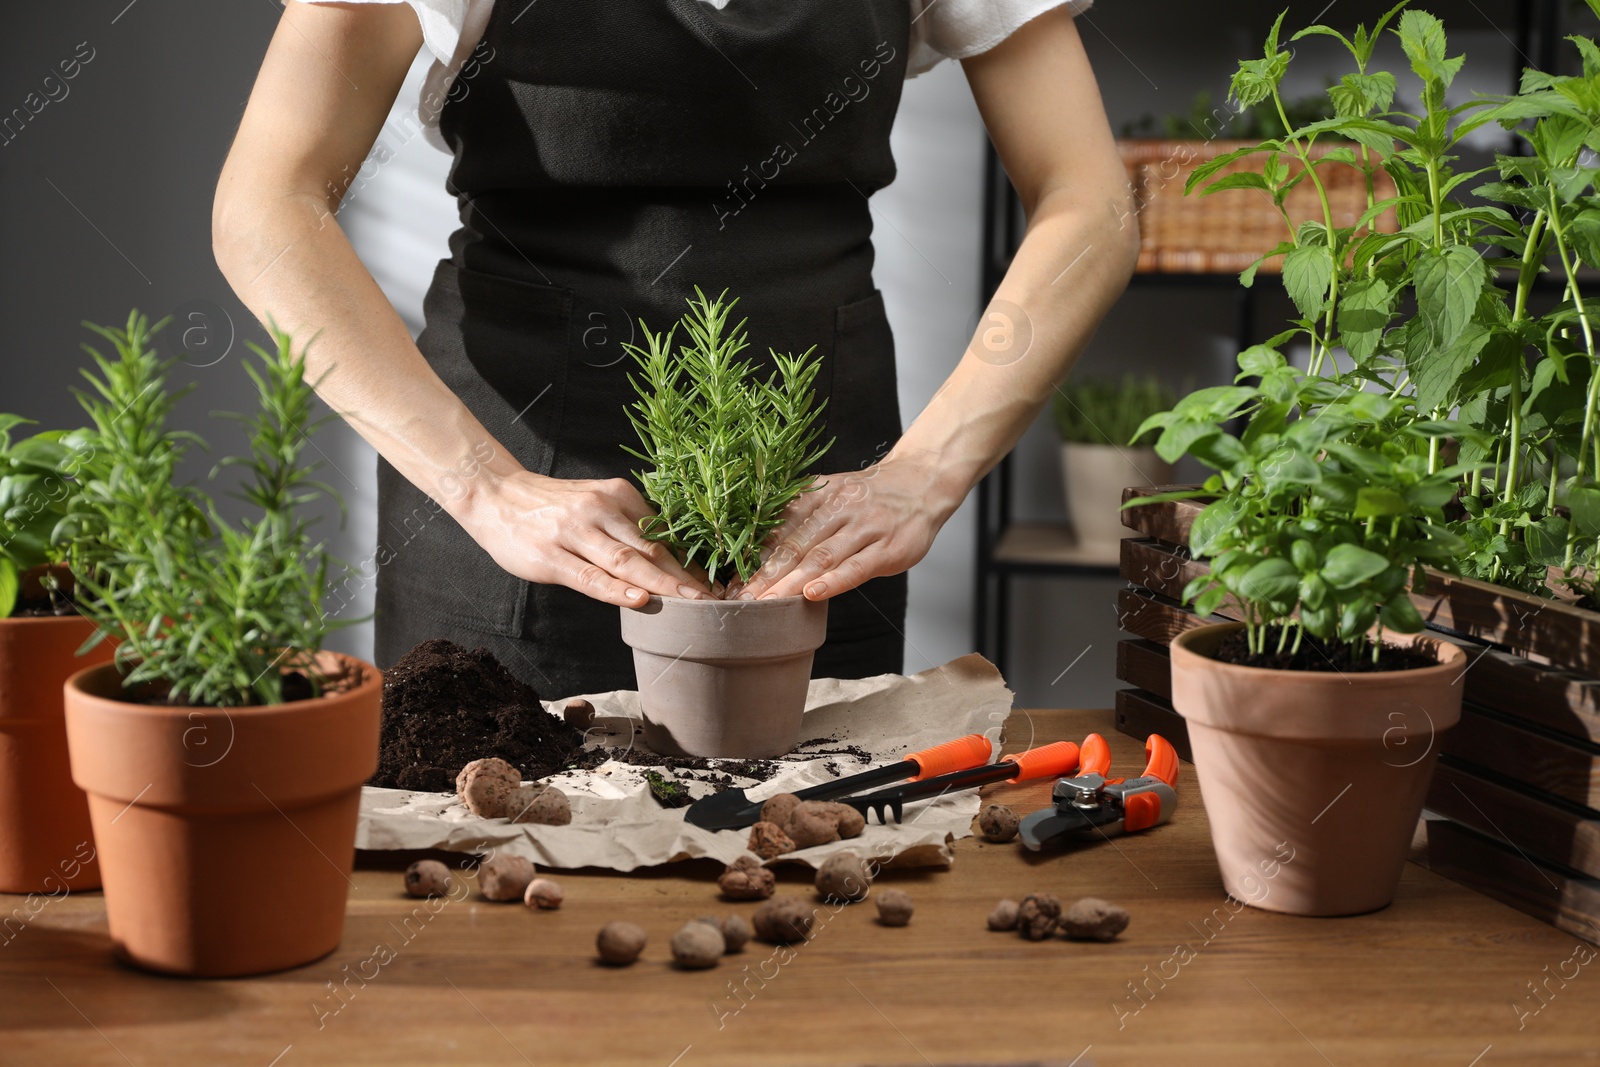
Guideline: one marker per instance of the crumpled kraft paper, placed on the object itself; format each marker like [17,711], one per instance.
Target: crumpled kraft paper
[617,824]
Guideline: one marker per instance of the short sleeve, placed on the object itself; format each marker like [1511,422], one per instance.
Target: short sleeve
[451,29]
[957,29]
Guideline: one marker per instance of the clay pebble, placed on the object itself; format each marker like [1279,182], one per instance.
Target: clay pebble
[783,920]
[698,945]
[504,877]
[746,879]
[894,907]
[428,878]
[843,876]
[768,840]
[1004,916]
[619,943]
[544,894]
[1037,915]
[998,824]
[1093,919]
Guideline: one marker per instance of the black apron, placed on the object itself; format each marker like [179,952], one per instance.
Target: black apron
[609,157]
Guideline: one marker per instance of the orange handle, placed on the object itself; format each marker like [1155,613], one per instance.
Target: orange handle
[974,750]
[1096,757]
[1057,760]
[1163,762]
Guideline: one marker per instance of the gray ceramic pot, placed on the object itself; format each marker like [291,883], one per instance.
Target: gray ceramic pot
[724,678]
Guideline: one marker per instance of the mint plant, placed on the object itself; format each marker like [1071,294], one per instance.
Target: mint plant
[1463,436]
[212,612]
[727,450]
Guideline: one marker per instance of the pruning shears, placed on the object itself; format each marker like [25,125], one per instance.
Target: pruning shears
[1091,805]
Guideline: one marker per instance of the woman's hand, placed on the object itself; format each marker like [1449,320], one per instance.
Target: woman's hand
[852,527]
[580,534]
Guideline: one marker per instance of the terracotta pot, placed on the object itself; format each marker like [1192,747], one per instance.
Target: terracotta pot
[1094,477]
[1313,780]
[724,678]
[226,836]
[46,844]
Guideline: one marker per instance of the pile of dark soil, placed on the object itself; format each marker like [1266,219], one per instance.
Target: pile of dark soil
[1317,655]
[444,707]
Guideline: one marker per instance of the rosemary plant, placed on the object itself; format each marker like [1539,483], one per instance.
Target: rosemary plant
[213,613]
[727,450]
[1105,411]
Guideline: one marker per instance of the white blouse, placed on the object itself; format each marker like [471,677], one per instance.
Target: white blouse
[940,29]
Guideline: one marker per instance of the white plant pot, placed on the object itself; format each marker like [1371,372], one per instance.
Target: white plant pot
[1095,476]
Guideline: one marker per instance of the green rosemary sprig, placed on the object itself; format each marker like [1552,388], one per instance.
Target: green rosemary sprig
[727,450]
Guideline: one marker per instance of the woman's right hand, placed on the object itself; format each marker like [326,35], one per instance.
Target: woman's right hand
[583,534]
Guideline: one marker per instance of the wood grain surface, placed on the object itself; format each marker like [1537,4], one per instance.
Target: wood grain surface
[1440,977]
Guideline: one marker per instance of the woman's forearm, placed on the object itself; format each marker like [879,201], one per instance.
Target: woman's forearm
[289,261]
[1073,263]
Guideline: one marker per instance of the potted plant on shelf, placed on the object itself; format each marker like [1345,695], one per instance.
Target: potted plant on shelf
[222,751]
[727,452]
[46,844]
[1098,420]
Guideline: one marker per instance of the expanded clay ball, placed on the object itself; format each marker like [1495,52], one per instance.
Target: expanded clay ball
[544,894]
[998,823]
[851,822]
[1004,916]
[777,808]
[542,804]
[1093,919]
[767,840]
[1037,915]
[812,822]
[894,907]
[487,786]
[746,879]
[428,878]
[736,933]
[698,945]
[619,943]
[783,920]
[504,877]
[843,876]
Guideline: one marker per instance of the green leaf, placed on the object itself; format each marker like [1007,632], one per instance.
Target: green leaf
[1584,503]
[1400,615]
[1437,372]
[1447,283]
[1244,179]
[1373,500]
[1273,580]
[1583,232]
[1364,312]
[10,585]
[1306,273]
[1349,565]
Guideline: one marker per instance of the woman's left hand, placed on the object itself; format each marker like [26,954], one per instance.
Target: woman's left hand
[852,527]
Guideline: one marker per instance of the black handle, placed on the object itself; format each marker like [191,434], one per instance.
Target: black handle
[852,783]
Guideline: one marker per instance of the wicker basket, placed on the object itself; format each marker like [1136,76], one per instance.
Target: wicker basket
[1227,231]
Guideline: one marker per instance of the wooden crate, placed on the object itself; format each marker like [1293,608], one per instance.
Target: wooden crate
[1518,777]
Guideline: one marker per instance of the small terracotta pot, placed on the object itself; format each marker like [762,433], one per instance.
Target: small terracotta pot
[226,836]
[46,844]
[1094,476]
[724,677]
[1313,780]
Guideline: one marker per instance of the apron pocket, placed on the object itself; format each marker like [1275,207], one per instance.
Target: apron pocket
[864,404]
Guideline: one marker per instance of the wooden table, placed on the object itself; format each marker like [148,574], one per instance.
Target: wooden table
[1440,977]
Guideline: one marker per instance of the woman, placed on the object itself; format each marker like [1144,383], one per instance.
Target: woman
[609,157]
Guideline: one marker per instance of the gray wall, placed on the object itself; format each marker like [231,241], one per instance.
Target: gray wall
[107,197]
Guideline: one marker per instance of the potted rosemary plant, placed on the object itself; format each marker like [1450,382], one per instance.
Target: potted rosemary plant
[46,844]
[727,451]
[1098,420]
[222,751]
